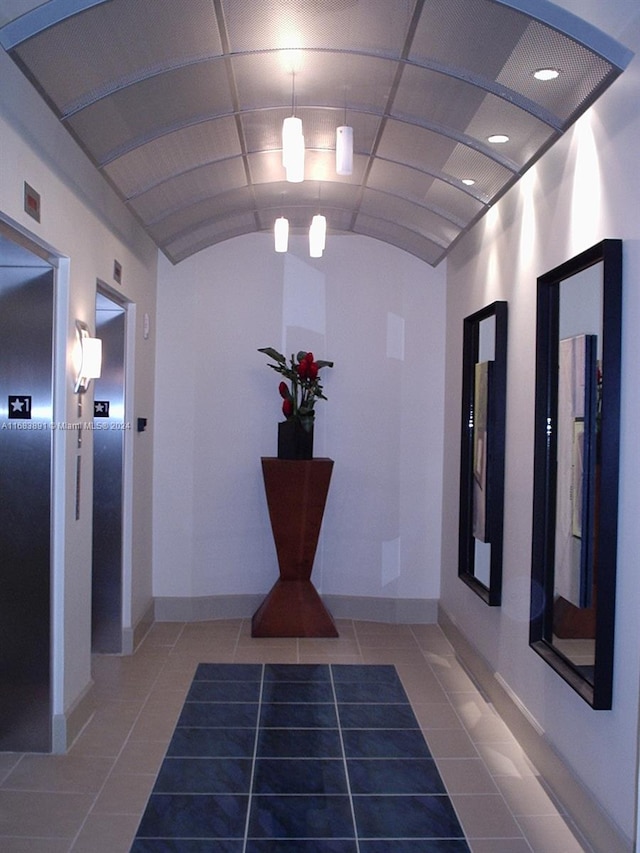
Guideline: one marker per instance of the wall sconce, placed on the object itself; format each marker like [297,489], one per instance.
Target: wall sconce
[344,150]
[89,354]
[281,234]
[317,236]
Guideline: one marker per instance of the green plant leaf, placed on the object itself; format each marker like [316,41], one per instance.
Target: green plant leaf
[273,353]
[324,363]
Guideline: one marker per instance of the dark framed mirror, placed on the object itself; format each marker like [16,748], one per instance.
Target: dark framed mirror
[576,447]
[484,389]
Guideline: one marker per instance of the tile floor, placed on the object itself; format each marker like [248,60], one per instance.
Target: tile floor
[92,799]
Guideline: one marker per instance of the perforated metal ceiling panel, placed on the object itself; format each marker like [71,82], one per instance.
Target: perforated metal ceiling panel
[181,104]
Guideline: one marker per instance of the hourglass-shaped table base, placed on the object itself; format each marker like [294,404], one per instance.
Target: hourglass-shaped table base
[296,491]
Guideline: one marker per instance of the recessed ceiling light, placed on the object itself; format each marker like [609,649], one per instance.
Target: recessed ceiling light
[498,138]
[469,182]
[546,73]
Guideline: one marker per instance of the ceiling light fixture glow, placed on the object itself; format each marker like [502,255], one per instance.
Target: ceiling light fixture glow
[344,150]
[498,138]
[281,234]
[468,182]
[546,74]
[317,236]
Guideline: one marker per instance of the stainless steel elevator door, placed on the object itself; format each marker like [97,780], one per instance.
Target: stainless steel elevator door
[26,348]
[108,461]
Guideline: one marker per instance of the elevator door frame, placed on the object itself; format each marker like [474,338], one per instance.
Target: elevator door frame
[127,463]
[15,233]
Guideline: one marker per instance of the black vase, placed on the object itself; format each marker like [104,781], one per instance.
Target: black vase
[295,440]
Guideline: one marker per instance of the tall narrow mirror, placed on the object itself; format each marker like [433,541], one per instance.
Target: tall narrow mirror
[484,369]
[576,469]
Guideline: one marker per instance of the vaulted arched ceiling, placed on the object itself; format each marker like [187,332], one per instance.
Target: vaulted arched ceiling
[180,104]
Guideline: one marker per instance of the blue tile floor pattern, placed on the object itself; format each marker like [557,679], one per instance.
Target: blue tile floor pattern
[298,758]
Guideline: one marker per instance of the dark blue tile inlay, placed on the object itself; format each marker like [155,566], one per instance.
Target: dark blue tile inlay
[299,845]
[218,714]
[385,743]
[291,816]
[182,845]
[204,776]
[299,743]
[299,776]
[212,743]
[406,817]
[280,758]
[296,672]
[284,716]
[297,691]
[202,816]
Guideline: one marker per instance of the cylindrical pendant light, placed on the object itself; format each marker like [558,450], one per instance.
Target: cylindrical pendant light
[344,150]
[291,133]
[295,161]
[281,234]
[317,236]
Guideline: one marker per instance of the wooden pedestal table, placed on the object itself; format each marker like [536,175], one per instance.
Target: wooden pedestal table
[296,492]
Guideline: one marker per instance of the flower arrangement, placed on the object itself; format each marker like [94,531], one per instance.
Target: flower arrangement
[299,397]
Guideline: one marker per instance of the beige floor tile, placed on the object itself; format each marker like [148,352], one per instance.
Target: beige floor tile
[110,770]
[450,743]
[551,835]
[104,834]
[420,683]
[141,757]
[453,677]
[59,773]
[8,761]
[43,814]
[500,845]
[506,759]
[436,715]
[466,776]
[34,845]
[124,793]
[431,639]
[481,721]
[162,634]
[485,816]
[411,656]
[526,796]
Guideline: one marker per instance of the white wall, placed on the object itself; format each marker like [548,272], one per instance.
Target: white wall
[378,313]
[583,190]
[83,221]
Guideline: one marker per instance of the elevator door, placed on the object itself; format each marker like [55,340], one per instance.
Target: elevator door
[26,353]
[108,461]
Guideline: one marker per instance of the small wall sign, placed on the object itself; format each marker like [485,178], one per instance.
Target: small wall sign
[100,408]
[19,407]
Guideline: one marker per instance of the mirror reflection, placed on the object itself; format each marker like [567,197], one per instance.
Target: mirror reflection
[579,392]
[576,469]
[482,451]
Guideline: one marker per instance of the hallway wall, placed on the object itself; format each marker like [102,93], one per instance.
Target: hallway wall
[86,224]
[379,314]
[583,190]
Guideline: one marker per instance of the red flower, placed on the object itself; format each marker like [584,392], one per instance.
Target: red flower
[287,408]
[303,369]
[312,370]
[284,391]
[309,357]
